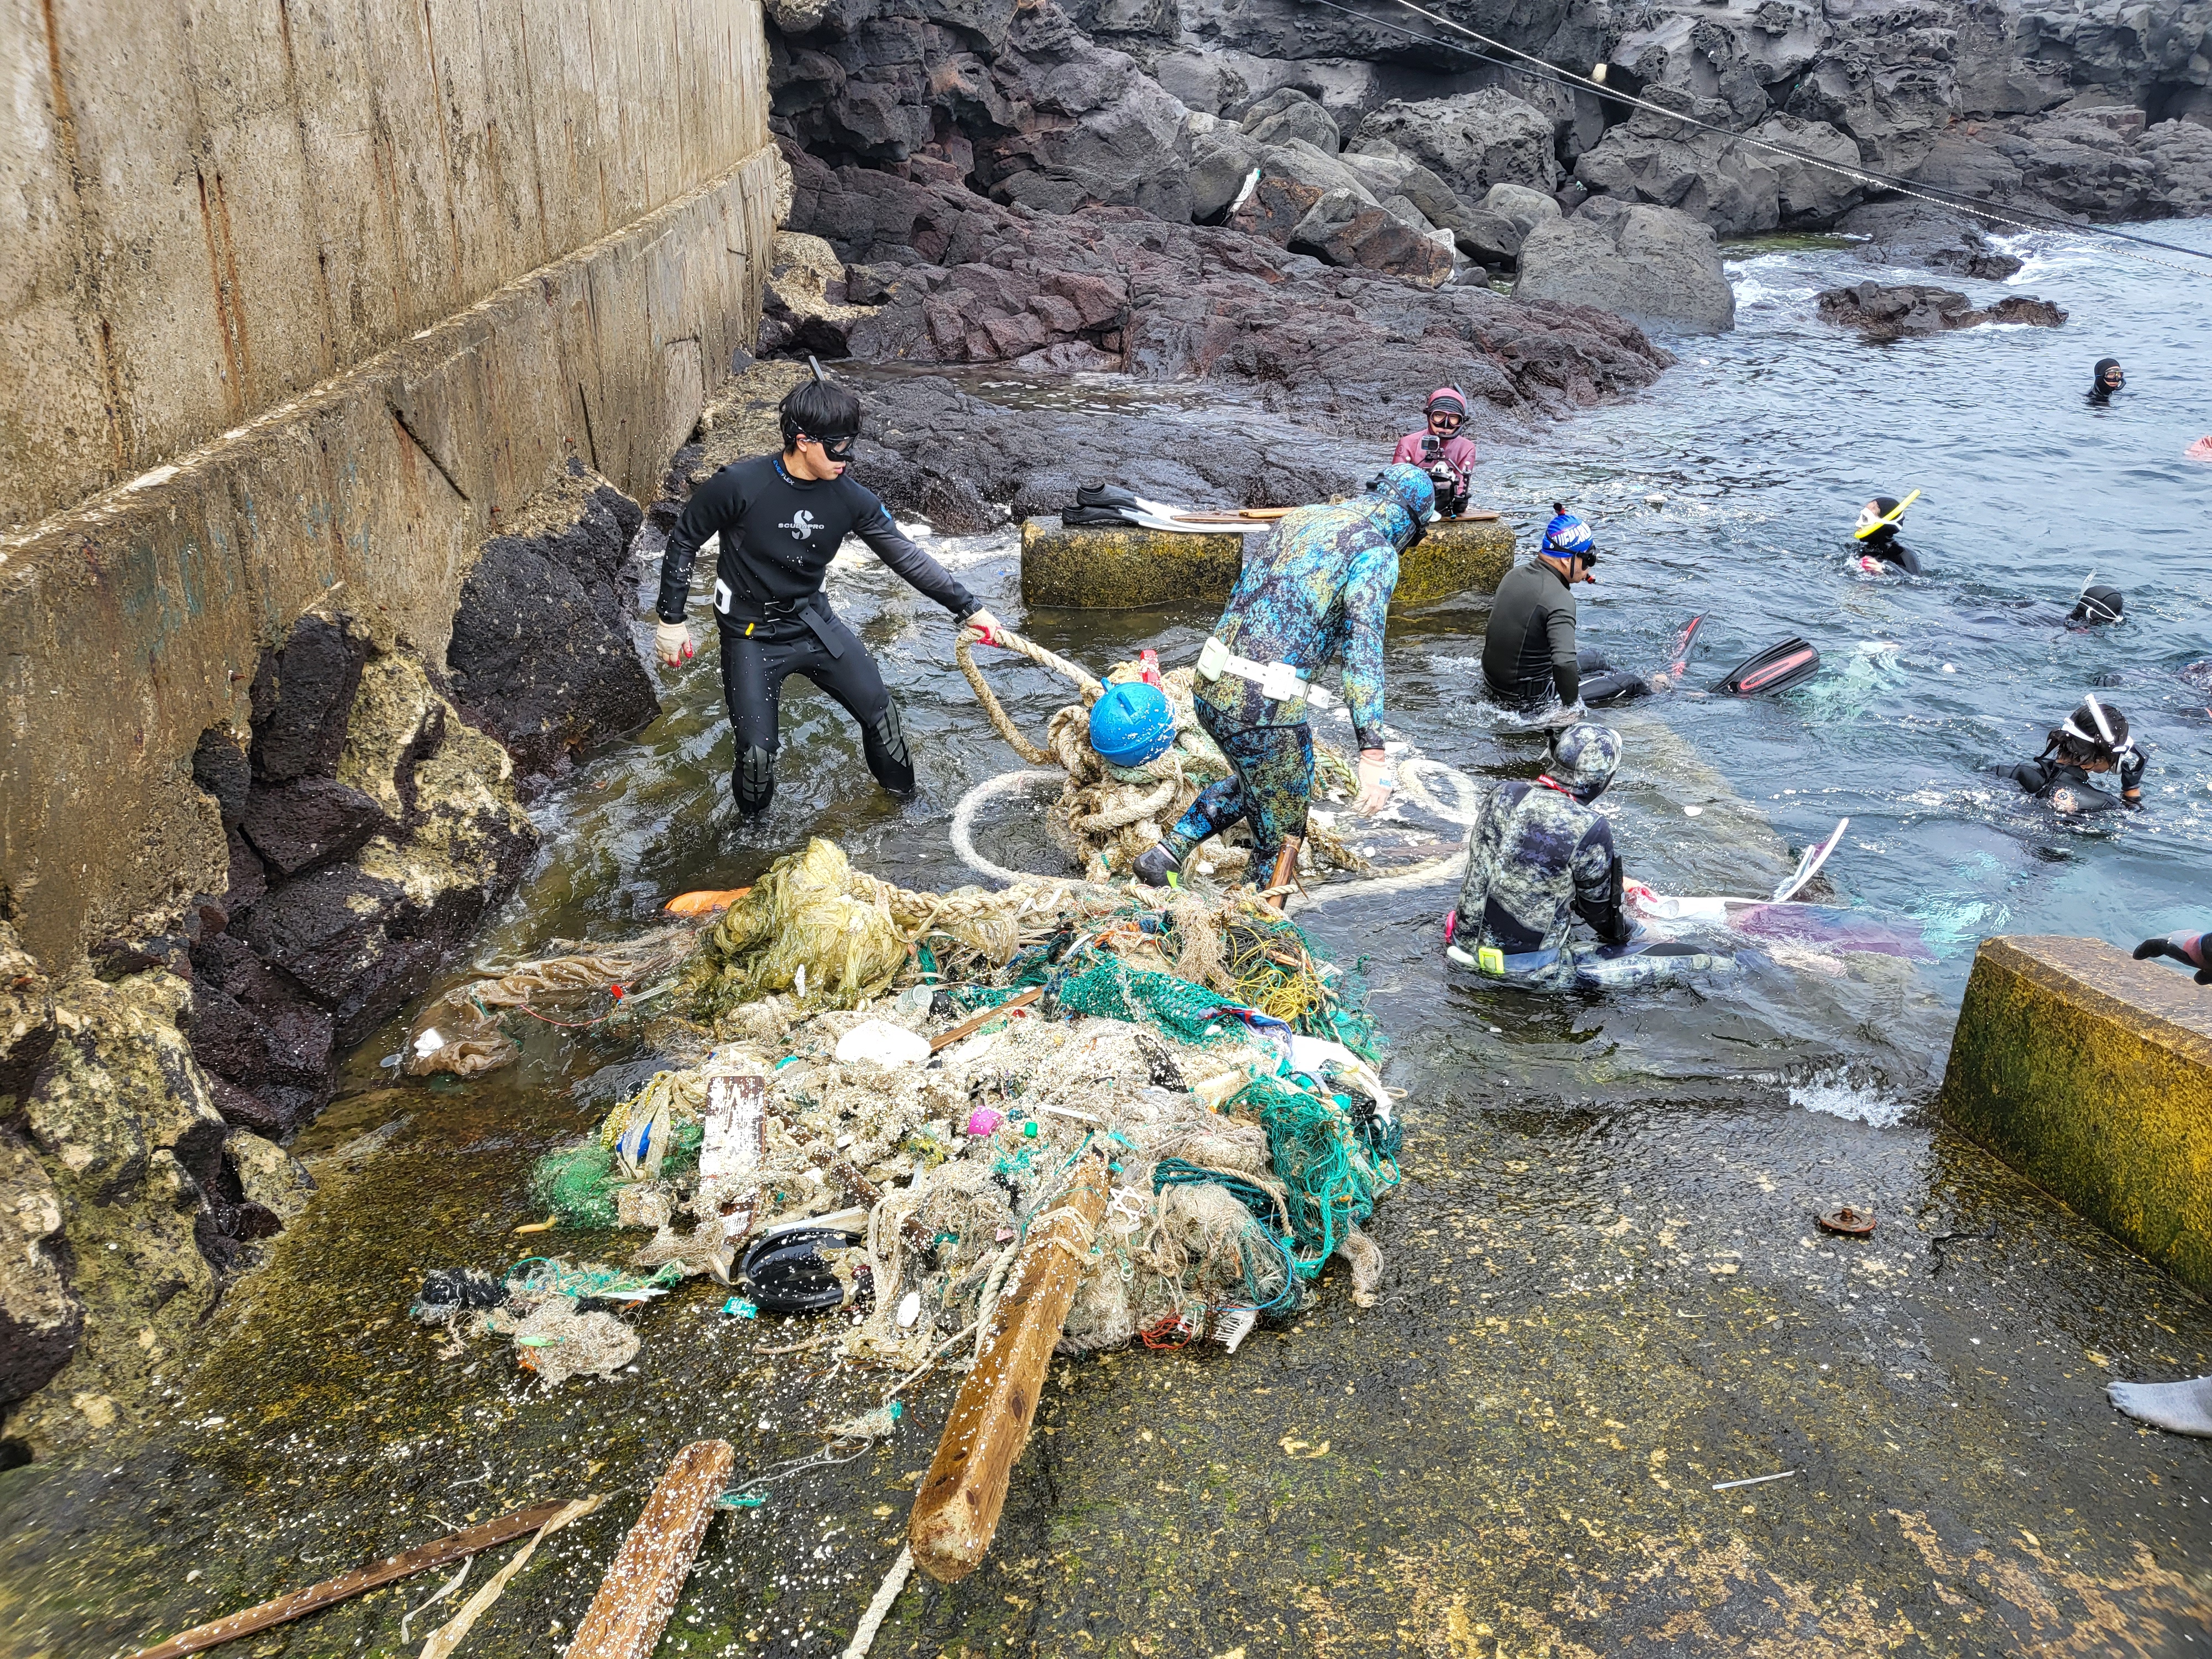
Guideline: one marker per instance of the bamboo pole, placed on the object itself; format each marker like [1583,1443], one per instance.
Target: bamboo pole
[639,1593]
[957,1512]
[298,1604]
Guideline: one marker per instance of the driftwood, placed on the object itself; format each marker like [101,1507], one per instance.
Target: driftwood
[639,1591]
[975,1022]
[957,1512]
[439,1552]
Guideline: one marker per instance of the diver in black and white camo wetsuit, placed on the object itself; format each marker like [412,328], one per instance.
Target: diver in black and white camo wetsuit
[1539,859]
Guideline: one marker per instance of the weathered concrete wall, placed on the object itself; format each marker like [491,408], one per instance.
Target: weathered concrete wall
[210,208]
[315,297]
[2090,1074]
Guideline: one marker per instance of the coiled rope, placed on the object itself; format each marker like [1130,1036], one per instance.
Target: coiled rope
[1465,792]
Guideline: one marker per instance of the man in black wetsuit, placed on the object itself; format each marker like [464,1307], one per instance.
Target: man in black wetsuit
[780,519]
[2094,739]
[1529,654]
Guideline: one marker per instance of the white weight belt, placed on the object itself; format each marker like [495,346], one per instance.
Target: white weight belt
[1278,681]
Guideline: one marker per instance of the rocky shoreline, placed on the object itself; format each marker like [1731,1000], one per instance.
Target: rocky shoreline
[1314,214]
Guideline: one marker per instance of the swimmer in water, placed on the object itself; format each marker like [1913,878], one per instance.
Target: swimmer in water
[2187,949]
[2101,605]
[2107,378]
[1876,536]
[2093,738]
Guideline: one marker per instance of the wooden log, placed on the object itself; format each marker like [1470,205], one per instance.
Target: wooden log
[439,1552]
[957,1512]
[975,1022]
[639,1593]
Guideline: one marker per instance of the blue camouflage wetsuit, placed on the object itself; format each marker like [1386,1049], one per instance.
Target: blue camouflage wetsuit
[1538,859]
[1318,587]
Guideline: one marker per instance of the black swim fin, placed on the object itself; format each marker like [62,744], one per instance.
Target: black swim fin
[1774,669]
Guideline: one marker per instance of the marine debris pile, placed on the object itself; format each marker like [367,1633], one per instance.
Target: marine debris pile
[881,1091]
[1107,814]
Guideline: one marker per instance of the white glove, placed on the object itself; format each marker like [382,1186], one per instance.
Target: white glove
[672,643]
[1376,782]
[982,626]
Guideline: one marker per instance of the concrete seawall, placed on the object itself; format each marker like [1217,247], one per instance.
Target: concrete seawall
[2090,1074]
[303,305]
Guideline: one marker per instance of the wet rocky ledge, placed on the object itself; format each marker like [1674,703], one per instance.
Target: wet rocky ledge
[374,809]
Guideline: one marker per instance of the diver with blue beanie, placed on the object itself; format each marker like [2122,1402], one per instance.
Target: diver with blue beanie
[1529,654]
[1319,587]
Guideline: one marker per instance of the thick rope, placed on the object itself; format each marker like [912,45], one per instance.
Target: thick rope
[963,653]
[864,1633]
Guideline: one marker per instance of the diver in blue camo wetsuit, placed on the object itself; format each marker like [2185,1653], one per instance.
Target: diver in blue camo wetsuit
[1318,587]
[1538,858]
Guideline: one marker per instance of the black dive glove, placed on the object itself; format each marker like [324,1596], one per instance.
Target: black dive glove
[2133,763]
[1609,918]
[2163,946]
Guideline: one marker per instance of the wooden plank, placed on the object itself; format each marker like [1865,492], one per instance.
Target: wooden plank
[639,1591]
[976,1022]
[437,1553]
[957,1512]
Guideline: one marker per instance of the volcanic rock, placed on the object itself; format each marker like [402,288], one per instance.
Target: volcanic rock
[1735,187]
[1472,140]
[301,696]
[1287,115]
[541,653]
[1883,314]
[1910,232]
[1651,265]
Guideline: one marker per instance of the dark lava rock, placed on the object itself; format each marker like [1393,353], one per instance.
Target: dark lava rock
[1883,314]
[295,827]
[338,934]
[221,768]
[541,653]
[1288,114]
[985,285]
[301,696]
[1472,140]
[1906,232]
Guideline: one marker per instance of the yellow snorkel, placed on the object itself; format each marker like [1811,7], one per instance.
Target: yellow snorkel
[1872,517]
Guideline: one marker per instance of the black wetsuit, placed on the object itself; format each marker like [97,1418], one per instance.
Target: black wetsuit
[2067,788]
[1530,653]
[1884,545]
[778,535]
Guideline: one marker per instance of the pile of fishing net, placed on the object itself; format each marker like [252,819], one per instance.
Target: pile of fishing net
[1203,1048]
[1107,814]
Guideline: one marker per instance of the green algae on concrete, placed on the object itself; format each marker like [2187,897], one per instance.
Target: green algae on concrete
[2090,1074]
[1126,567]
[1123,568]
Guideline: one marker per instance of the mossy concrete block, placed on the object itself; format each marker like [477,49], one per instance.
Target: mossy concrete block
[2090,1074]
[1453,555]
[1113,567]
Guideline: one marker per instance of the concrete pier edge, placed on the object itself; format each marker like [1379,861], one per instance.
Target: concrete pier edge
[2091,1074]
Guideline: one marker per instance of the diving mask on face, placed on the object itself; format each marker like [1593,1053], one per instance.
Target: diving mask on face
[1881,513]
[838,447]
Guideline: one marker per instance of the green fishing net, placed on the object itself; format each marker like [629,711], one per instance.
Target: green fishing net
[578,1183]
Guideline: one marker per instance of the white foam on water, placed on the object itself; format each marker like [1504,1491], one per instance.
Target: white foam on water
[1835,1093]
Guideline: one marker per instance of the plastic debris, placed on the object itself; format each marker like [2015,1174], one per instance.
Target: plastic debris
[886,1044]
